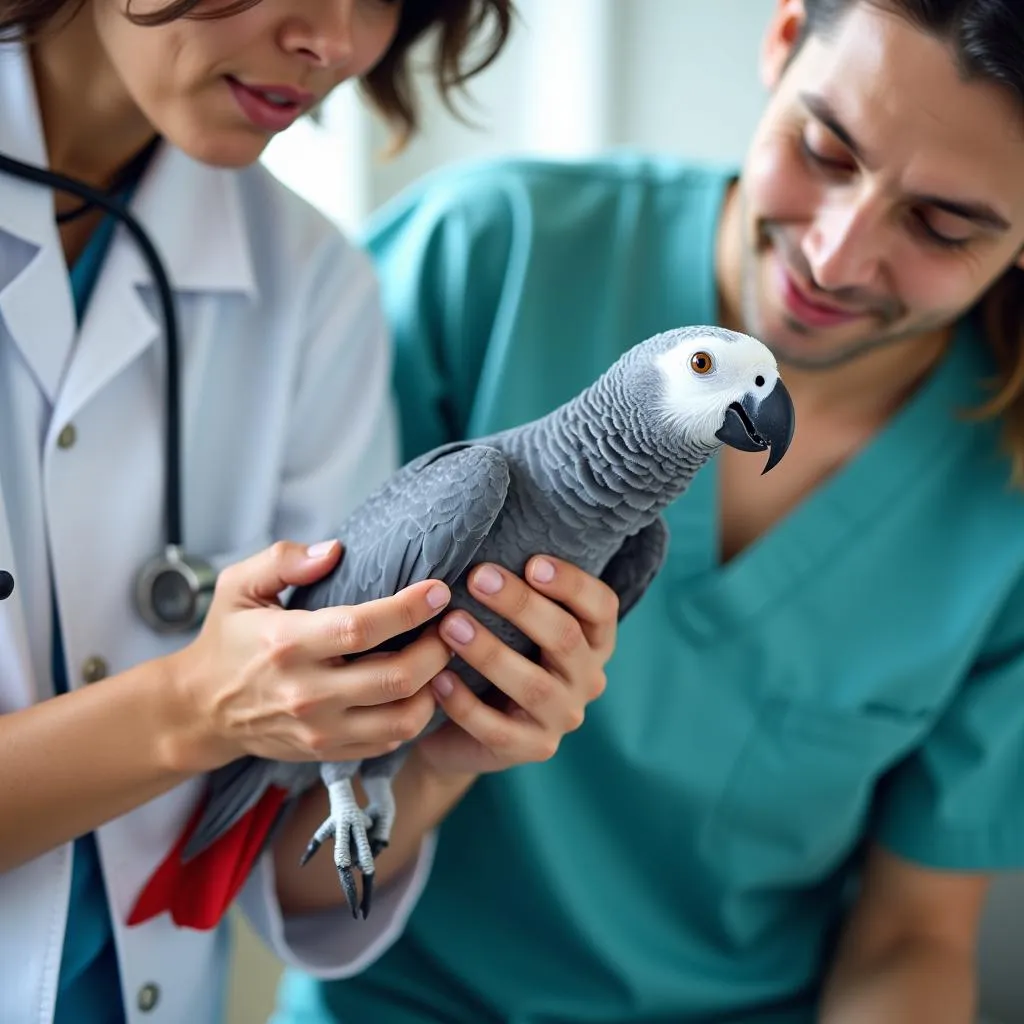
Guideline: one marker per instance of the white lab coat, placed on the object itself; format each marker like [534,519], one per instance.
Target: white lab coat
[286,423]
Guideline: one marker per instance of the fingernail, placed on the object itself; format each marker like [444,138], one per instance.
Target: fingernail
[458,629]
[543,571]
[488,579]
[320,549]
[437,596]
[443,684]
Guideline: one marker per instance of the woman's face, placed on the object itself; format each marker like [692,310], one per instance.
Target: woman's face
[220,88]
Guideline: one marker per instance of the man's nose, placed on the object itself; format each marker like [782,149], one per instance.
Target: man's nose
[843,245]
[324,34]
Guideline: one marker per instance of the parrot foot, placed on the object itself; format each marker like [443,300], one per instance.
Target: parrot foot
[380,817]
[380,810]
[348,824]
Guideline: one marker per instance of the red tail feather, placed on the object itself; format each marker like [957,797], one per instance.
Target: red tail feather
[198,893]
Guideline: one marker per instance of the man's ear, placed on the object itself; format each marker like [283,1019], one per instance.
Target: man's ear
[780,39]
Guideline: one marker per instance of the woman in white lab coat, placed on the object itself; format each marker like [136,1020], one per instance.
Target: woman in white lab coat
[106,726]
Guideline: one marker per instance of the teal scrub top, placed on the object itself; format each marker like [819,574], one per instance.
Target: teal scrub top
[89,985]
[855,674]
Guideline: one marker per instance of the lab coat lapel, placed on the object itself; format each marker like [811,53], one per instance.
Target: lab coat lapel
[204,250]
[16,684]
[37,314]
[35,297]
[192,212]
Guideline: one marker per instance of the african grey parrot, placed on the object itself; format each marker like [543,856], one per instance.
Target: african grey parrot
[586,483]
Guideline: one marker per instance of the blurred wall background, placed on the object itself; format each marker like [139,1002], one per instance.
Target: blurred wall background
[578,77]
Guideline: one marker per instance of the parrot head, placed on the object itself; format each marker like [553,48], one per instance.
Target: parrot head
[712,386]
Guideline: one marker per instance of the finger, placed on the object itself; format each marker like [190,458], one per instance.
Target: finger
[594,604]
[372,681]
[512,738]
[554,629]
[258,580]
[538,692]
[350,629]
[368,731]
[389,724]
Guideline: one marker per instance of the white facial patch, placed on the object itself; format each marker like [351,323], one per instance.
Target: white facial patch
[694,402]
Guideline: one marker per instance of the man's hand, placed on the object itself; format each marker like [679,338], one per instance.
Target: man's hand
[573,617]
[908,951]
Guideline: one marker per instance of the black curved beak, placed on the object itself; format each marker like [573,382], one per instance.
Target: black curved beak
[757,424]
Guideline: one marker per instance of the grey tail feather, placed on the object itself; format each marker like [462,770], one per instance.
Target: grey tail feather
[231,791]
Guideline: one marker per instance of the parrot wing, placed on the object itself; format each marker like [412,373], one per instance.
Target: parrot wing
[426,521]
[633,567]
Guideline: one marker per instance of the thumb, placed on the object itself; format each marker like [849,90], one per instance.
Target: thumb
[261,577]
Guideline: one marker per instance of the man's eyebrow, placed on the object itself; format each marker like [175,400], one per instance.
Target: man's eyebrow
[822,111]
[979,212]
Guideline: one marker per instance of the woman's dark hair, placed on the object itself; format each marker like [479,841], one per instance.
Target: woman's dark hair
[459,24]
[987,38]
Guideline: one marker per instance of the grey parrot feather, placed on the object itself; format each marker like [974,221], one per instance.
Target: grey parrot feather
[587,483]
[401,535]
[636,563]
[426,522]
[236,788]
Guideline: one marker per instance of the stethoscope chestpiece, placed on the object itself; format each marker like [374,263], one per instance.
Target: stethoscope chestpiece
[173,591]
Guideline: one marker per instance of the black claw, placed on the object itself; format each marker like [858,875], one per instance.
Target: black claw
[314,845]
[376,845]
[364,906]
[349,885]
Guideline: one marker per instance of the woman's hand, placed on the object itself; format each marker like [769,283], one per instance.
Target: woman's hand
[263,680]
[573,617]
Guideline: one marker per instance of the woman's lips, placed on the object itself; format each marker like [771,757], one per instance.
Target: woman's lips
[270,107]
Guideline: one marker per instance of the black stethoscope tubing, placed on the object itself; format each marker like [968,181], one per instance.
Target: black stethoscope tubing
[54,180]
[173,590]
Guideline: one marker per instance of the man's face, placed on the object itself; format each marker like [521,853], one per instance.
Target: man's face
[882,194]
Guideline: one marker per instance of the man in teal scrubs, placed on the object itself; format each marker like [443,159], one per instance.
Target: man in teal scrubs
[810,752]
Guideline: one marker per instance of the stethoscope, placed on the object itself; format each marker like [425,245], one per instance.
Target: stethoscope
[173,590]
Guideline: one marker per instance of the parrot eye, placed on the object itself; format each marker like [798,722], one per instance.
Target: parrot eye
[701,362]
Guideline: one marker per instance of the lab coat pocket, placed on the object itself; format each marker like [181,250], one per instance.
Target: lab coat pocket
[799,793]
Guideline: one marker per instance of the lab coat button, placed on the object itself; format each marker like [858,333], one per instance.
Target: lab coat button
[93,669]
[66,438]
[148,996]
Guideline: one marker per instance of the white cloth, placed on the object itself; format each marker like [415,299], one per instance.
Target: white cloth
[287,422]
